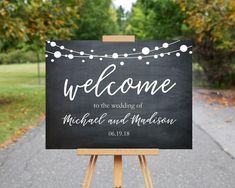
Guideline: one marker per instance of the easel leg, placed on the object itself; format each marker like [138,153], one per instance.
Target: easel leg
[145,171]
[117,171]
[90,171]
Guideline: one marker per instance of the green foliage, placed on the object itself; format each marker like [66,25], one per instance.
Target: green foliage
[32,22]
[121,19]
[12,29]
[97,18]
[156,19]
[138,23]
[212,24]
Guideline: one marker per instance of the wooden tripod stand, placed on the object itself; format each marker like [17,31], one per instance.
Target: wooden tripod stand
[117,163]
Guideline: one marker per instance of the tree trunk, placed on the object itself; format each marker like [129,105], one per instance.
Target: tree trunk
[38,69]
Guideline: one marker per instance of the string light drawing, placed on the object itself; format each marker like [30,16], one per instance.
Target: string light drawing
[145,52]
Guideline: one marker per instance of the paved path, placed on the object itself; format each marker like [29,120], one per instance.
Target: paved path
[28,164]
[218,121]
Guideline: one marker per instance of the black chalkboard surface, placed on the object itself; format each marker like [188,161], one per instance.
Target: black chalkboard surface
[118,95]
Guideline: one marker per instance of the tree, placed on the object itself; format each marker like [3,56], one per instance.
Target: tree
[97,18]
[156,19]
[36,21]
[212,24]
[138,23]
[12,29]
[31,23]
[48,20]
[121,19]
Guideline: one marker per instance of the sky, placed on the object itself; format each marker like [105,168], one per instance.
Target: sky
[126,4]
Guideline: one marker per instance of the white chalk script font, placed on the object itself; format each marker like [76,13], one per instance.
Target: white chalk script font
[112,88]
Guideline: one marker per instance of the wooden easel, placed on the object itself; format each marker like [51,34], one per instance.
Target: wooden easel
[117,153]
[117,163]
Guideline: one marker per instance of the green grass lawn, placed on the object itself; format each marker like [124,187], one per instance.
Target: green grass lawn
[22,99]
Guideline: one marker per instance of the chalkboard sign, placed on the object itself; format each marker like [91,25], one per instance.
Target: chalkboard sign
[119,95]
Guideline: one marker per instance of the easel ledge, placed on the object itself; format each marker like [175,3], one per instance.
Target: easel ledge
[118,151]
[118,38]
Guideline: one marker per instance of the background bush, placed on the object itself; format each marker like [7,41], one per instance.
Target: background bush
[19,56]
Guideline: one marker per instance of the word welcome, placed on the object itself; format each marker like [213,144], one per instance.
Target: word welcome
[111,88]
